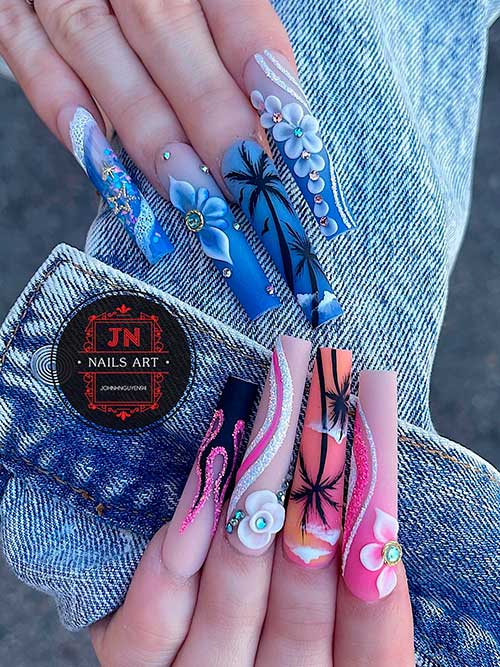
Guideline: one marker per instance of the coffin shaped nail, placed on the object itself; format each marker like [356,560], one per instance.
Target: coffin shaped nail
[284,111]
[194,192]
[110,178]
[370,550]
[196,517]
[256,512]
[251,177]
[314,512]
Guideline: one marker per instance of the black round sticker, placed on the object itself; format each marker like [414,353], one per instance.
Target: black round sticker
[123,361]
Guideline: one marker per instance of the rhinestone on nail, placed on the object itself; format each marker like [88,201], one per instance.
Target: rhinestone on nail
[166,155]
[305,155]
[277,117]
[323,221]
[227,273]
[204,168]
[236,226]
[270,289]
[194,220]
[392,553]
[314,175]
[298,132]
[318,199]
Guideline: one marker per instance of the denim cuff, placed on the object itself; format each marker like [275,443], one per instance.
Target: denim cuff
[78,505]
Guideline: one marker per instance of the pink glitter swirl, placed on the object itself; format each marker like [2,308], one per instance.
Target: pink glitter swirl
[360,452]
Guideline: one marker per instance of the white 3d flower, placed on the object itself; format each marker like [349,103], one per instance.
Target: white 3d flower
[384,554]
[264,518]
[289,124]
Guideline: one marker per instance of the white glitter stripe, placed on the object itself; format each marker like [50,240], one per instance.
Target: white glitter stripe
[271,74]
[77,128]
[274,445]
[144,226]
[270,56]
[339,198]
[368,498]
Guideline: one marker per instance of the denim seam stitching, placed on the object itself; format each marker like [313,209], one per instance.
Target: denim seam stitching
[100,508]
[448,457]
[112,283]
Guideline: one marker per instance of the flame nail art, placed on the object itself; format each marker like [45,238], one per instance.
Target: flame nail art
[197,515]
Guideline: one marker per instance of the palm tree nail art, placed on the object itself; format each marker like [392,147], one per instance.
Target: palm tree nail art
[314,514]
[278,97]
[207,216]
[110,178]
[251,177]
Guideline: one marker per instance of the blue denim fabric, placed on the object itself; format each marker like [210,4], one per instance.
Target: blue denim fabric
[397,89]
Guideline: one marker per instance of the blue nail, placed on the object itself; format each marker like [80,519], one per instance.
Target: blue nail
[113,183]
[251,177]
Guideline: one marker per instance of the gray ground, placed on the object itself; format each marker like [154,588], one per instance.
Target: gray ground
[45,200]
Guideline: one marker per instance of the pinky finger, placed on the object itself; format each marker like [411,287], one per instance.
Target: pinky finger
[58,96]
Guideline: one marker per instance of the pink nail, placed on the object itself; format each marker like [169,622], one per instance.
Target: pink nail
[195,520]
[371,550]
[256,513]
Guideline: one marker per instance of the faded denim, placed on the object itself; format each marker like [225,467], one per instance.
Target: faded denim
[397,87]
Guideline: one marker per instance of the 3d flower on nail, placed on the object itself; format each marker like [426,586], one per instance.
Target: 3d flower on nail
[384,554]
[205,216]
[264,516]
[291,124]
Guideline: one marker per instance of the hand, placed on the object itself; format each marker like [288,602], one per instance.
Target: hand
[246,607]
[175,78]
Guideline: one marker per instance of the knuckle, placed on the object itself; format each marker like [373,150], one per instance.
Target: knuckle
[153,15]
[12,21]
[76,19]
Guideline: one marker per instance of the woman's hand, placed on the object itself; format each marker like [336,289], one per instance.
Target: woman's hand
[162,71]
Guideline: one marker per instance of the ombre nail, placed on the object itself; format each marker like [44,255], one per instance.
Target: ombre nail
[284,111]
[256,510]
[370,550]
[252,179]
[110,178]
[314,512]
[206,214]
[195,520]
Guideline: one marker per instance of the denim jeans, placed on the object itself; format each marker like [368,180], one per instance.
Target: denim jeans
[397,87]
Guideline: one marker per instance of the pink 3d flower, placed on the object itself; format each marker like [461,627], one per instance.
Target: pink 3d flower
[384,554]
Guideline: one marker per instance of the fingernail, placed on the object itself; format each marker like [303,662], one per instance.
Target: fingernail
[314,511]
[197,515]
[371,550]
[251,177]
[194,192]
[284,111]
[110,178]
[256,512]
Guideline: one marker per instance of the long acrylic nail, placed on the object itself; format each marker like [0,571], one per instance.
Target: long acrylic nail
[284,111]
[110,178]
[371,550]
[314,512]
[256,512]
[195,520]
[251,177]
[194,192]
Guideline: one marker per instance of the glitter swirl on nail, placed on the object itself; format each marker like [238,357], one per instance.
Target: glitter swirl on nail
[364,453]
[210,484]
[269,439]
